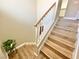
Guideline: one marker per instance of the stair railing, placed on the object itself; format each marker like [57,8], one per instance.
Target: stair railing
[38,26]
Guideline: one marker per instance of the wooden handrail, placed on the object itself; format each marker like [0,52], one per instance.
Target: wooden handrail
[45,14]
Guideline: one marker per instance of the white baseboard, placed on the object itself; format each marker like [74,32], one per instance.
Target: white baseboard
[21,45]
[30,43]
[26,43]
[70,18]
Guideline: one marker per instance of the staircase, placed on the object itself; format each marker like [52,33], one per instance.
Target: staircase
[61,42]
[59,45]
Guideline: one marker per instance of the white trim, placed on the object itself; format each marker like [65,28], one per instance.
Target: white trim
[75,53]
[30,43]
[26,43]
[72,18]
[20,45]
[74,56]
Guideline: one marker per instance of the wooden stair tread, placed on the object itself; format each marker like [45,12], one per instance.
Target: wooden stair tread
[69,29]
[50,53]
[66,28]
[62,35]
[64,41]
[41,56]
[65,33]
[63,51]
[67,24]
[61,44]
[67,20]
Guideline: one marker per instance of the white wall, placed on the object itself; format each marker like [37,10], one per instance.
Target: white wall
[43,6]
[72,9]
[22,9]
[17,19]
